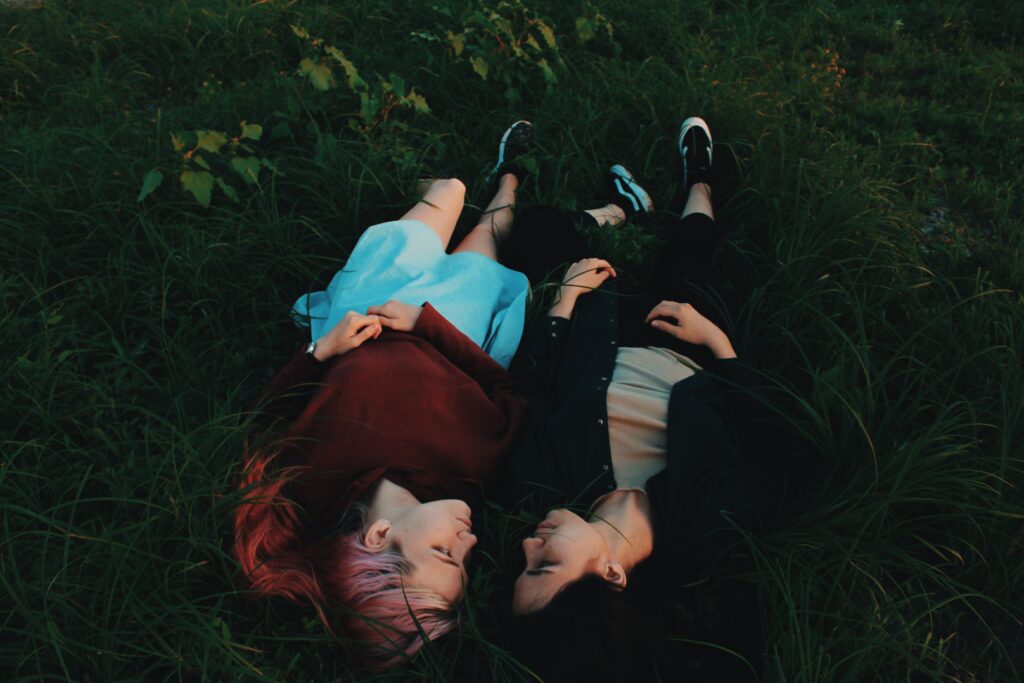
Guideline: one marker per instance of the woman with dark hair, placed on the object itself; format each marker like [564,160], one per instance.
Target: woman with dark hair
[642,434]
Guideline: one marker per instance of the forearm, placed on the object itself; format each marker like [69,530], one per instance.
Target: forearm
[564,304]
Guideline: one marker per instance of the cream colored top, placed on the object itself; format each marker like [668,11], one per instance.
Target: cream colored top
[638,410]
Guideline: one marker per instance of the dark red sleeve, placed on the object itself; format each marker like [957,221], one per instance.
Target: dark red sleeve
[288,391]
[462,351]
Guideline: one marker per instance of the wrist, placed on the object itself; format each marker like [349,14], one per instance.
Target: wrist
[564,304]
[323,350]
[720,346]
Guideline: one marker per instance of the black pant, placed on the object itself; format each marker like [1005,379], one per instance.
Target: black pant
[544,241]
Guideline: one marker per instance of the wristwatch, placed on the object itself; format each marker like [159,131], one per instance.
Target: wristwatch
[310,350]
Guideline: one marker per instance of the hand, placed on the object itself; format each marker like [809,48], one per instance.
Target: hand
[397,315]
[581,277]
[349,333]
[585,276]
[686,324]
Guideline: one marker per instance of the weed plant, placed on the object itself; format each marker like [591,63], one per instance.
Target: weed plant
[870,158]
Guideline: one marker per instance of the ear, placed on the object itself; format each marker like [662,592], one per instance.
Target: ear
[614,575]
[378,535]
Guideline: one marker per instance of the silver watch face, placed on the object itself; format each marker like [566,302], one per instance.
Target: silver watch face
[311,348]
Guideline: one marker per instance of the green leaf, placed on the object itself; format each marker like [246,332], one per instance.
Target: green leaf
[200,161]
[368,107]
[199,183]
[418,102]
[549,35]
[479,66]
[281,130]
[549,75]
[320,75]
[150,183]
[585,28]
[247,167]
[300,32]
[251,131]
[458,42]
[396,84]
[228,190]
[210,140]
[177,142]
[351,73]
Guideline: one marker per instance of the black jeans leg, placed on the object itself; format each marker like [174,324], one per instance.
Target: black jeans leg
[543,240]
[684,274]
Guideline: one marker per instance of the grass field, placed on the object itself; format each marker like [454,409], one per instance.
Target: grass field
[871,180]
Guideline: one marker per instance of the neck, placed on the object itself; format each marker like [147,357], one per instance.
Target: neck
[389,500]
[623,519]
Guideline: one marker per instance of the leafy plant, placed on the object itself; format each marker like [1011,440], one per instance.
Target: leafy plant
[504,42]
[376,102]
[209,158]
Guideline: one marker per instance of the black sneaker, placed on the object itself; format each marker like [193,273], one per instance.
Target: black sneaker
[515,143]
[627,194]
[695,147]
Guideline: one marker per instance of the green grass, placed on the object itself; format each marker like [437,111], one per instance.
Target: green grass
[875,258]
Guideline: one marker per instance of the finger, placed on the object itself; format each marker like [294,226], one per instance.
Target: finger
[368,332]
[604,265]
[386,310]
[664,309]
[665,327]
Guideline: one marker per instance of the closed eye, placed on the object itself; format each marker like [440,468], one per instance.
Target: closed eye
[445,555]
[540,567]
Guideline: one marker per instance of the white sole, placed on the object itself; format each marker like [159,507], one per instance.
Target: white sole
[504,141]
[690,123]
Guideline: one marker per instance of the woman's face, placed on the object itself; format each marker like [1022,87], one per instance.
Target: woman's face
[563,548]
[436,538]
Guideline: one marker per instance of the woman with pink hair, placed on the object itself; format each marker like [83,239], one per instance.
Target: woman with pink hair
[394,416]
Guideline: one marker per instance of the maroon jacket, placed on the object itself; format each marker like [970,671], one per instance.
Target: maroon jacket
[427,409]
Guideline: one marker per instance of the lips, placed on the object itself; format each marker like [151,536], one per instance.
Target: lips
[545,525]
[466,521]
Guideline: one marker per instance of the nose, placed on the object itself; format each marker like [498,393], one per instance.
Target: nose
[532,543]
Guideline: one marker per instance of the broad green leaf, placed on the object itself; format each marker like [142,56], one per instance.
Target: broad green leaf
[396,84]
[177,142]
[300,32]
[247,167]
[351,73]
[458,42]
[228,190]
[210,140]
[532,42]
[479,66]
[266,163]
[368,107]
[251,131]
[199,183]
[418,102]
[585,28]
[320,75]
[549,35]
[150,183]
[199,160]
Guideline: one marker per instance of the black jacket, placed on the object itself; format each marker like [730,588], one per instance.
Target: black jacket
[720,467]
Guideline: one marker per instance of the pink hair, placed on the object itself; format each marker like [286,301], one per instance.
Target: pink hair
[387,615]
